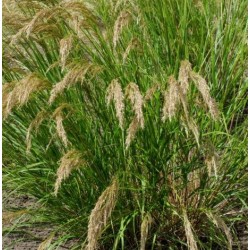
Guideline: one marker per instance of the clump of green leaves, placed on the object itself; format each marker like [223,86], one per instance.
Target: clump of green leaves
[126,120]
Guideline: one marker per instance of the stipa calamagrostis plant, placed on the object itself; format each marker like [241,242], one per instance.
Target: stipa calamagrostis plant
[73,159]
[183,77]
[114,92]
[133,44]
[150,92]
[101,214]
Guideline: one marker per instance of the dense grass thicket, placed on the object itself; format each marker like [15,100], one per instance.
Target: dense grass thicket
[127,121]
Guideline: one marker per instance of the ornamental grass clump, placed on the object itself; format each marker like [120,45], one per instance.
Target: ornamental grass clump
[125,122]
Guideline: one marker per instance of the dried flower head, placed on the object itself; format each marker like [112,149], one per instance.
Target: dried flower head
[77,74]
[114,92]
[59,117]
[191,242]
[145,225]
[65,47]
[71,160]
[22,91]
[133,44]
[133,93]
[150,92]
[131,132]
[203,88]
[122,21]
[101,213]
[34,125]
[212,160]
[171,99]
[183,77]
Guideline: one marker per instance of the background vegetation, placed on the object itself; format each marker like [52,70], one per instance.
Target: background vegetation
[127,120]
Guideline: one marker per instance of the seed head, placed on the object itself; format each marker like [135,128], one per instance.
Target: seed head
[71,160]
[145,225]
[183,77]
[114,92]
[101,213]
[65,47]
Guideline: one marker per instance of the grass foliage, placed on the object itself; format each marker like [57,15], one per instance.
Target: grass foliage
[126,120]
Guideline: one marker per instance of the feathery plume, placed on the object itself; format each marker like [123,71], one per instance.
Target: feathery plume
[46,243]
[101,213]
[212,160]
[58,116]
[131,132]
[203,88]
[71,160]
[193,127]
[134,43]
[145,225]
[171,99]
[65,47]
[150,92]
[114,92]
[133,93]
[192,245]
[73,76]
[122,21]
[22,91]
[220,223]
[183,77]
[34,125]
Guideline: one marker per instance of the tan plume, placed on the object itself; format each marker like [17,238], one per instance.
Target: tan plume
[133,93]
[191,242]
[150,92]
[133,44]
[183,77]
[203,88]
[101,213]
[65,47]
[34,125]
[120,23]
[171,99]
[70,161]
[114,92]
[131,131]
[145,226]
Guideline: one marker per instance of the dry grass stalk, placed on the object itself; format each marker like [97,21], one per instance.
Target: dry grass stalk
[65,47]
[220,223]
[9,216]
[122,21]
[150,92]
[191,242]
[145,225]
[133,44]
[131,132]
[203,88]
[75,75]
[114,92]
[59,117]
[34,125]
[101,213]
[183,77]
[70,161]
[22,91]
[133,93]
[171,99]
[46,243]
